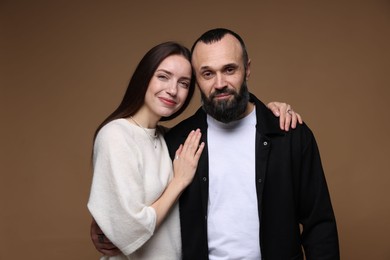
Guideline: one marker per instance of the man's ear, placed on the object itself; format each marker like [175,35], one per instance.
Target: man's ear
[248,70]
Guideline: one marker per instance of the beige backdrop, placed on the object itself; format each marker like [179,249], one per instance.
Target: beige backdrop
[65,66]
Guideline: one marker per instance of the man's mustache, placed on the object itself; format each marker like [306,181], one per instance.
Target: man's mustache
[222,91]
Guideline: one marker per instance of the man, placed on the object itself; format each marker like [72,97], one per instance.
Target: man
[255,184]
[259,192]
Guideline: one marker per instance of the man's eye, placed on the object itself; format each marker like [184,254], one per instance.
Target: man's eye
[207,75]
[230,70]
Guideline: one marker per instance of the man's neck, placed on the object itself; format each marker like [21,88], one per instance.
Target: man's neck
[249,108]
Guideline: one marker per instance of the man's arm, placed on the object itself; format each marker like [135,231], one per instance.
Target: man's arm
[101,242]
[319,229]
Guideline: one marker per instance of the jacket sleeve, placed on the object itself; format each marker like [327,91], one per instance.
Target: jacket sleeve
[319,231]
[117,200]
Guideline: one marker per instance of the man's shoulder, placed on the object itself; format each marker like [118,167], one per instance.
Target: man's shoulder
[197,120]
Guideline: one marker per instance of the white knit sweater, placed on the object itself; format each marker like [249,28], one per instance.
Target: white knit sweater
[129,175]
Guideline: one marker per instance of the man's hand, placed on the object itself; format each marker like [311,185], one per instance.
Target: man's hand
[287,116]
[101,242]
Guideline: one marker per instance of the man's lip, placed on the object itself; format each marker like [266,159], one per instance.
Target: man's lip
[168,101]
[222,96]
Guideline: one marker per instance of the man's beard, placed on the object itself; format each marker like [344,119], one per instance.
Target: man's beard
[227,110]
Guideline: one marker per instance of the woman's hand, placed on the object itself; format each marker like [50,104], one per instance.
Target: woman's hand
[187,157]
[287,116]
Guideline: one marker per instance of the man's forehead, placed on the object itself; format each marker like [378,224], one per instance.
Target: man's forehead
[227,50]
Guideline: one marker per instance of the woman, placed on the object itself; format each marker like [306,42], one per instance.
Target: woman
[134,188]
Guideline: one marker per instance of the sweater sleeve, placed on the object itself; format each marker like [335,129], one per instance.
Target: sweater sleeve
[117,198]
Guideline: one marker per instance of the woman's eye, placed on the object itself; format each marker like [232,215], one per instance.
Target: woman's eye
[162,77]
[184,84]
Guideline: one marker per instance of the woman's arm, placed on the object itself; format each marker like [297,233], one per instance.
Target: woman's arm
[116,201]
[184,165]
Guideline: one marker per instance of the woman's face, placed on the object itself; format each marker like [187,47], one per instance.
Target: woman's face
[169,86]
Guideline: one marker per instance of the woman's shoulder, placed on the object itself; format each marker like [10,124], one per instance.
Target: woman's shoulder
[117,129]
[120,124]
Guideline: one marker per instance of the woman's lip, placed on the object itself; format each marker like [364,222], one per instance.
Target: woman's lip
[168,101]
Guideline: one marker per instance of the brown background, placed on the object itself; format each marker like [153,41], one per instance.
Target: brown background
[65,66]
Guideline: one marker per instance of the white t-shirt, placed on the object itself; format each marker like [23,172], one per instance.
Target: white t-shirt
[129,175]
[232,221]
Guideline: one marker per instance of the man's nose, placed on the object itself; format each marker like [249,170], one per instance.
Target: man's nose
[220,81]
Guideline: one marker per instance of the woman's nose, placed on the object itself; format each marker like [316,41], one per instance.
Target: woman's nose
[172,89]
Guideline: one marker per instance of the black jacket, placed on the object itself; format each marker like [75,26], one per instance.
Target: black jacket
[291,190]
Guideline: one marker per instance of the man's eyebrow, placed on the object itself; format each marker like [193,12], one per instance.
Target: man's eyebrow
[234,65]
[203,68]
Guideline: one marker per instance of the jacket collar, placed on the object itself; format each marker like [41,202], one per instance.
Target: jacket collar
[267,122]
